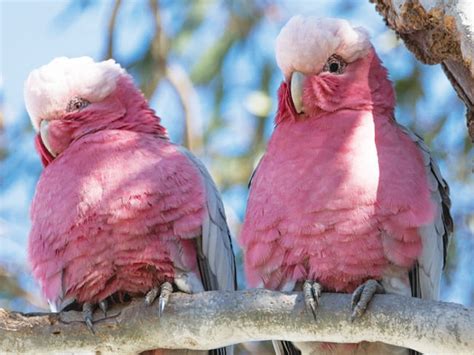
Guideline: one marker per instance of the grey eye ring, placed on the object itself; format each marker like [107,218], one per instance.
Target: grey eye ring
[335,65]
[77,104]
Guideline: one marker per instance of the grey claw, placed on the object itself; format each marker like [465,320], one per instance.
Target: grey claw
[151,296]
[309,299]
[87,310]
[312,293]
[89,324]
[362,296]
[356,296]
[103,305]
[166,290]
[317,289]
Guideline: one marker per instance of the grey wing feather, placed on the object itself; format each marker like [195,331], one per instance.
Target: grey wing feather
[215,253]
[253,173]
[279,346]
[60,303]
[285,348]
[426,275]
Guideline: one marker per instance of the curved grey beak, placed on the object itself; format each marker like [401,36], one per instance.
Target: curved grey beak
[45,136]
[296,89]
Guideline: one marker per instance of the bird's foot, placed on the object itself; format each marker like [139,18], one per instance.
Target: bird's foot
[312,293]
[104,305]
[362,297]
[165,290]
[88,312]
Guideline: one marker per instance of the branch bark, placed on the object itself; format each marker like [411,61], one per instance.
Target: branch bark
[214,319]
[158,51]
[438,32]
[188,97]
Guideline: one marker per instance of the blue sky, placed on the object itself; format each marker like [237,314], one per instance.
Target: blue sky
[34,34]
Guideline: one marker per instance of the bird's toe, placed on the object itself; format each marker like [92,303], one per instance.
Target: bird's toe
[87,315]
[151,296]
[166,290]
[362,296]
[312,293]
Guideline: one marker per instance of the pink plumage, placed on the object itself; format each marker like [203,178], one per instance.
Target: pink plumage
[118,209]
[343,193]
[322,193]
[122,215]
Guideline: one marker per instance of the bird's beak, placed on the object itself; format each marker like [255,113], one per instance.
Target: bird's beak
[296,89]
[44,134]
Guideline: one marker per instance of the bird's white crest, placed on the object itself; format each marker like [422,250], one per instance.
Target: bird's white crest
[305,43]
[49,88]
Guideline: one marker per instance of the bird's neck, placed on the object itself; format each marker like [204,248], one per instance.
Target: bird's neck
[142,120]
[326,132]
[139,116]
[381,89]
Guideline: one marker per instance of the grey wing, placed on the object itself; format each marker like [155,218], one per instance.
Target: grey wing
[280,347]
[215,254]
[61,302]
[285,348]
[253,173]
[426,275]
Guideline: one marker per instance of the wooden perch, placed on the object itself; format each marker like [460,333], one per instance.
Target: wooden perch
[214,319]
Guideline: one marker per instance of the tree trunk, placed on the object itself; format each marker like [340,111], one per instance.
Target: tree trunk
[438,32]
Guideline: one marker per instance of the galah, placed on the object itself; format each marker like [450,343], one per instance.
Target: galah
[119,211]
[344,199]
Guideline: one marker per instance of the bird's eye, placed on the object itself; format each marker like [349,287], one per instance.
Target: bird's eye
[335,65]
[76,104]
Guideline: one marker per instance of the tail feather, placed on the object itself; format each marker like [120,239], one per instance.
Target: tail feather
[285,348]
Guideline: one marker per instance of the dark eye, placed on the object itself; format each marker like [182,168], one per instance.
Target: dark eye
[335,65]
[76,104]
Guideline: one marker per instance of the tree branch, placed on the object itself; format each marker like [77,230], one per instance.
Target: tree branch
[158,51]
[10,286]
[214,319]
[188,97]
[111,29]
[438,32]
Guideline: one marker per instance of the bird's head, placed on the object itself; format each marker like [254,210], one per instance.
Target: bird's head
[72,97]
[328,65]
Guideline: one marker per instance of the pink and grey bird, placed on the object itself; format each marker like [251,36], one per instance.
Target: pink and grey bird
[345,199]
[118,210]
